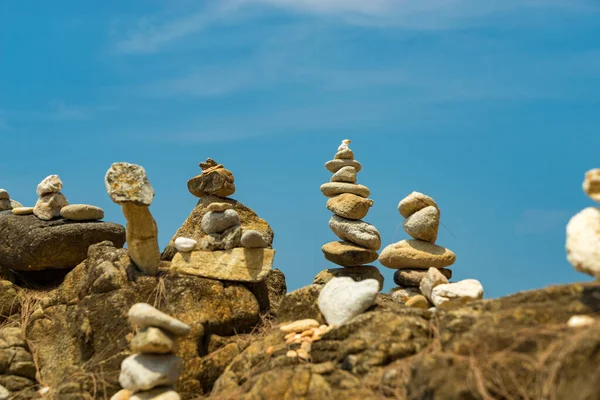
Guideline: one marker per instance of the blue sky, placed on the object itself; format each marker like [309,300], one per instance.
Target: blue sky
[491,107]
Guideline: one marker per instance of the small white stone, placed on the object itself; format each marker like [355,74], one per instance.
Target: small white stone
[342,299]
[580,321]
[583,241]
[432,279]
[50,184]
[185,245]
[145,371]
[456,294]
[144,315]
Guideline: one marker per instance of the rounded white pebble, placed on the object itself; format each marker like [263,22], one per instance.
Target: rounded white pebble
[580,321]
[185,245]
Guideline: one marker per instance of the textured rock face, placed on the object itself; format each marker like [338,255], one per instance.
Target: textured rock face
[144,371]
[335,188]
[50,184]
[49,206]
[413,277]
[128,183]
[360,233]
[583,241]
[346,174]
[142,238]
[192,229]
[356,273]
[30,244]
[217,182]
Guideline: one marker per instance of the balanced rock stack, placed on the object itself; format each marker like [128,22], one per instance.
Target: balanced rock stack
[51,199]
[152,372]
[583,231]
[350,204]
[6,203]
[223,249]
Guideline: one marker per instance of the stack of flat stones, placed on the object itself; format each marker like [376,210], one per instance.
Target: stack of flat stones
[152,372]
[51,200]
[349,203]
[412,258]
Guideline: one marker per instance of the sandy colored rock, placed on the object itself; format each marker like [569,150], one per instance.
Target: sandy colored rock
[410,254]
[49,206]
[360,233]
[299,326]
[151,340]
[185,245]
[433,278]
[414,202]
[344,154]
[22,211]
[591,184]
[580,321]
[423,224]
[334,166]
[128,183]
[146,316]
[418,301]
[145,371]
[413,277]
[239,264]
[583,241]
[345,174]
[253,240]
[142,238]
[349,206]
[348,254]
[214,180]
[161,393]
[356,273]
[50,184]
[192,229]
[82,212]
[452,295]
[332,189]
[122,394]
[219,207]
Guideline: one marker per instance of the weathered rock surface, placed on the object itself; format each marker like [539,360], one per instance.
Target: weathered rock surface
[403,294]
[360,233]
[153,341]
[15,204]
[214,180]
[218,222]
[348,254]
[50,184]
[416,254]
[30,244]
[239,264]
[128,184]
[433,278]
[162,393]
[49,206]
[456,294]
[336,188]
[413,277]
[583,241]
[344,154]
[146,316]
[142,237]
[226,240]
[414,202]
[349,206]
[356,273]
[192,229]
[146,371]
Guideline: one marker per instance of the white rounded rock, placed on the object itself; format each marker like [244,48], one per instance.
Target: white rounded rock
[342,299]
[456,294]
[583,241]
[185,245]
[49,205]
[50,184]
[580,321]
[141,372]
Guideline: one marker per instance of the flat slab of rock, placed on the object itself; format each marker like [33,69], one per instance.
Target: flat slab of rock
[348,254]
[349,206]
[336,188]
[239,264]
[416,254]
[334,166]
[192,228]
[145,371]
[356,273]
[82,212]
[28,243]
[413,277]
[360,233]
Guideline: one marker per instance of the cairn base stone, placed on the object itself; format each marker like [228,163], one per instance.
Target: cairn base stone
[142,238]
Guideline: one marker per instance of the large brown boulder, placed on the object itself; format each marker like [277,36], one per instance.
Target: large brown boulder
[191,228]
[28,243]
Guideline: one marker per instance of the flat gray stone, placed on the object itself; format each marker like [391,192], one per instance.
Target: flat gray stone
[144,315]
[141,372]
[218,222]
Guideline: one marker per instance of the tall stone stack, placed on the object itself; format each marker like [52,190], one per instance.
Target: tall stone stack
[349,202]
[152,372]
[51,199]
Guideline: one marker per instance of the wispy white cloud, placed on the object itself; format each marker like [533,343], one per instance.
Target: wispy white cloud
[539,221]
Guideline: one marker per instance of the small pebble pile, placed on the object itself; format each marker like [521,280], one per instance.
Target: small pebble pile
[300,335]
[152,372]
[349,203]
[421,273]
[583,231]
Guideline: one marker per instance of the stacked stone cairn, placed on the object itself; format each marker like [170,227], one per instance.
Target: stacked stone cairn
[349,203]
[6,203]
[225,251]
[421,273]
[152,372]
[583,231]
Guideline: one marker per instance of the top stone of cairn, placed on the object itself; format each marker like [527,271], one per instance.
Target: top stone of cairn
[50,184]
[128,183]
[415,202]
[591,184]
[215,179]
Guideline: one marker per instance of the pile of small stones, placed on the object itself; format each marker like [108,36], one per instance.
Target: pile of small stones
[152,372]
[300,335]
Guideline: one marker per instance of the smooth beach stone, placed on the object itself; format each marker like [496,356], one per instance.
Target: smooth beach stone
[451,295]
[49,206]
[141,372]
[360,233]
[218,222]
[334,166]
[348,254]
[413,277]
[144,315]
[423,224]
[22,211]
[414,202]
[349,206]
[335,188]
[128,183]
[346,174]
[5,205]
[82,212]
[433,278]
[185,245]
[152,340]
[583,241]
[356,273]
[591,184]
[219,207]
[418,301]
[50,184]
[344,154]
[4,195]
[342,299]
[253,239]
[160,393]
[414,253]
